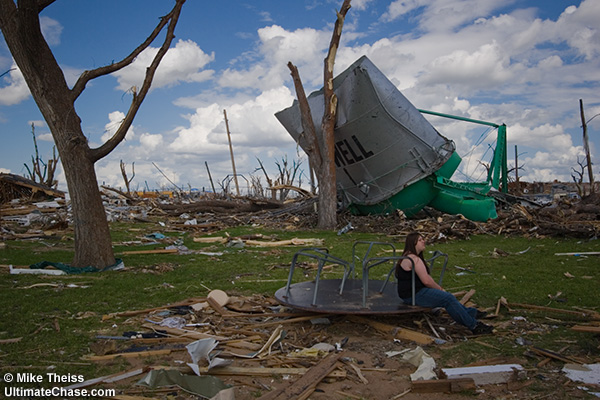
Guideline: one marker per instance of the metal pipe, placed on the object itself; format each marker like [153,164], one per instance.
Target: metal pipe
[459,118]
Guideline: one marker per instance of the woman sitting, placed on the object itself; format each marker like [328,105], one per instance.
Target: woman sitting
[427,292]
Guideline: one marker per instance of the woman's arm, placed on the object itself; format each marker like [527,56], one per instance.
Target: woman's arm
[421,271]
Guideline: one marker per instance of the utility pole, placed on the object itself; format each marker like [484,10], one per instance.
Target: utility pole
[237,187]
[518,187]
[586,147]
[212,185]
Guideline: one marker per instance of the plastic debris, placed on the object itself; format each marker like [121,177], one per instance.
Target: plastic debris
[345,229]
[200,351]
[424,362]
[204,386]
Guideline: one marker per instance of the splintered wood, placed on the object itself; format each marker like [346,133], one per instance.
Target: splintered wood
[259,344]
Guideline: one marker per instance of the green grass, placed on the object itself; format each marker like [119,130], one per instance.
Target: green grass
[58,324]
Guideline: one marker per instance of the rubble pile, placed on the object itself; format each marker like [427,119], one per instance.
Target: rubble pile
[261,349]
[570,219]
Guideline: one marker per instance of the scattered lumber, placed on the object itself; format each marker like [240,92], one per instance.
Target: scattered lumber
[306,385]
[467,297]
[184,333]
[187,302]
[133,354]
[586,328]
[582,314]
[554,355]
[264,371]
[108,378]
[11,340]
[15,186]
[155,251]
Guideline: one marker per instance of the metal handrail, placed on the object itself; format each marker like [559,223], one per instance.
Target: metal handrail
[379,261]
[322,256]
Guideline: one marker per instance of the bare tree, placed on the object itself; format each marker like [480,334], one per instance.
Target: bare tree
[321,151]
[577,177]
[287,175]
[20,25]
[586,145]
[40,171]
[269,180]
[124,174]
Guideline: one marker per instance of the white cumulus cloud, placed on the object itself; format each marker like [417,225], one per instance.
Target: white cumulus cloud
[182,63]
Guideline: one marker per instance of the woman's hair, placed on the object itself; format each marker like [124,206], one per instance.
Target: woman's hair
[410,245]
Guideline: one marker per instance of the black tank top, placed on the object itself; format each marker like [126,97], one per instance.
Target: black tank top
[405,282]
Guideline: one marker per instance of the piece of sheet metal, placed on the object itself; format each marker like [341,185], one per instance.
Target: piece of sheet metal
[382,142]
[350,301]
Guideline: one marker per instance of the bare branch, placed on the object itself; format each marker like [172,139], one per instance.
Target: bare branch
[138,98]
[41,4]
[329,96]
[87,76]
[4,73]
[124,174]
[310,133]
[269,181]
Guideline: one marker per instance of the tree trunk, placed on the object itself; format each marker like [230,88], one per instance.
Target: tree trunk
[50,91]
[20,27]
[321,153]
[93,245]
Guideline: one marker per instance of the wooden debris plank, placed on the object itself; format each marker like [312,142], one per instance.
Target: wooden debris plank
[264,371]
[407,391]
[586,328]
[248,333]
[554,355]
[216,305]
[459,293]
[5,212]
[467,297]
[184,332]
[307,383]
[156,251]
[212,239]
[396,332]
[11,340]
[119,376]
[28,183]
[443,385]
[262,243]
[289,242]
[359,373]
[149,310]
[161,340]
[242,344]
[558,310]
[132,354]
[248,339]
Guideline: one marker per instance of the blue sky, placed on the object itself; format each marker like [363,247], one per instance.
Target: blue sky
[525,63]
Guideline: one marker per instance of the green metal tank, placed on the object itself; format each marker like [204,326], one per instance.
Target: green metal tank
[388,156]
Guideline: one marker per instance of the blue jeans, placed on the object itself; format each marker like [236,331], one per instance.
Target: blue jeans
[433,298]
